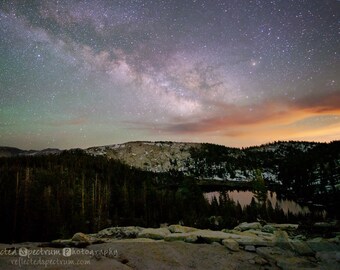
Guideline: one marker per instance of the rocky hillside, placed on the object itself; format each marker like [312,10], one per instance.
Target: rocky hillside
[311,164]
[293,165]
[149,156]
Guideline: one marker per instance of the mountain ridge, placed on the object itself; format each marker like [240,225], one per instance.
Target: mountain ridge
[13,150]
[271,162]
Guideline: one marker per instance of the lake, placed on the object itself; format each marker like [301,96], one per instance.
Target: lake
[245,197]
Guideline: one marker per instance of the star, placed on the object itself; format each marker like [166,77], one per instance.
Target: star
[113,71]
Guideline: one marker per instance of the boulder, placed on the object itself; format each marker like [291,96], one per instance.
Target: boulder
[285,227]
[316,240]
[268,229]
[216,244]
[208,236]
[181,229]
[132,240]
[301,248]
[285,259]
[156,234]
[250,248]
[82,237]
[319,245]
[231,244]
[264,235]
[260,261]
[335,240]
[248,226]
[251,237]
[300,237]
[273,253]
[281,239]
[119,232]
[59,243]
[252,241]
[185,237]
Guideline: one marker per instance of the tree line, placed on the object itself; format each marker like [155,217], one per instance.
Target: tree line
[49,197]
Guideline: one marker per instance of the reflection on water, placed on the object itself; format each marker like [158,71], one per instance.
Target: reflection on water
[245,197]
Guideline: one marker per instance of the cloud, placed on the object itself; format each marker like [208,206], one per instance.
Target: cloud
[322,103]
[267,116]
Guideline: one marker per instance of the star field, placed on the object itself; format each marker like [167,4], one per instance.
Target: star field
[238,73]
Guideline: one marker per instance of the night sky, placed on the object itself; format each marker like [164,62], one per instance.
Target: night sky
[232,72]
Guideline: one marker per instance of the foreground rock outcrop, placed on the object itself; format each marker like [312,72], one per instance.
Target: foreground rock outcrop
[248,246]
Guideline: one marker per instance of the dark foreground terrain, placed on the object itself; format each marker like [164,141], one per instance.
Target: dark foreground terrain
[146,255]
[247,246]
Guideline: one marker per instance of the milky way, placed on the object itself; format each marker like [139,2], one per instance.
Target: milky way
[238,73]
